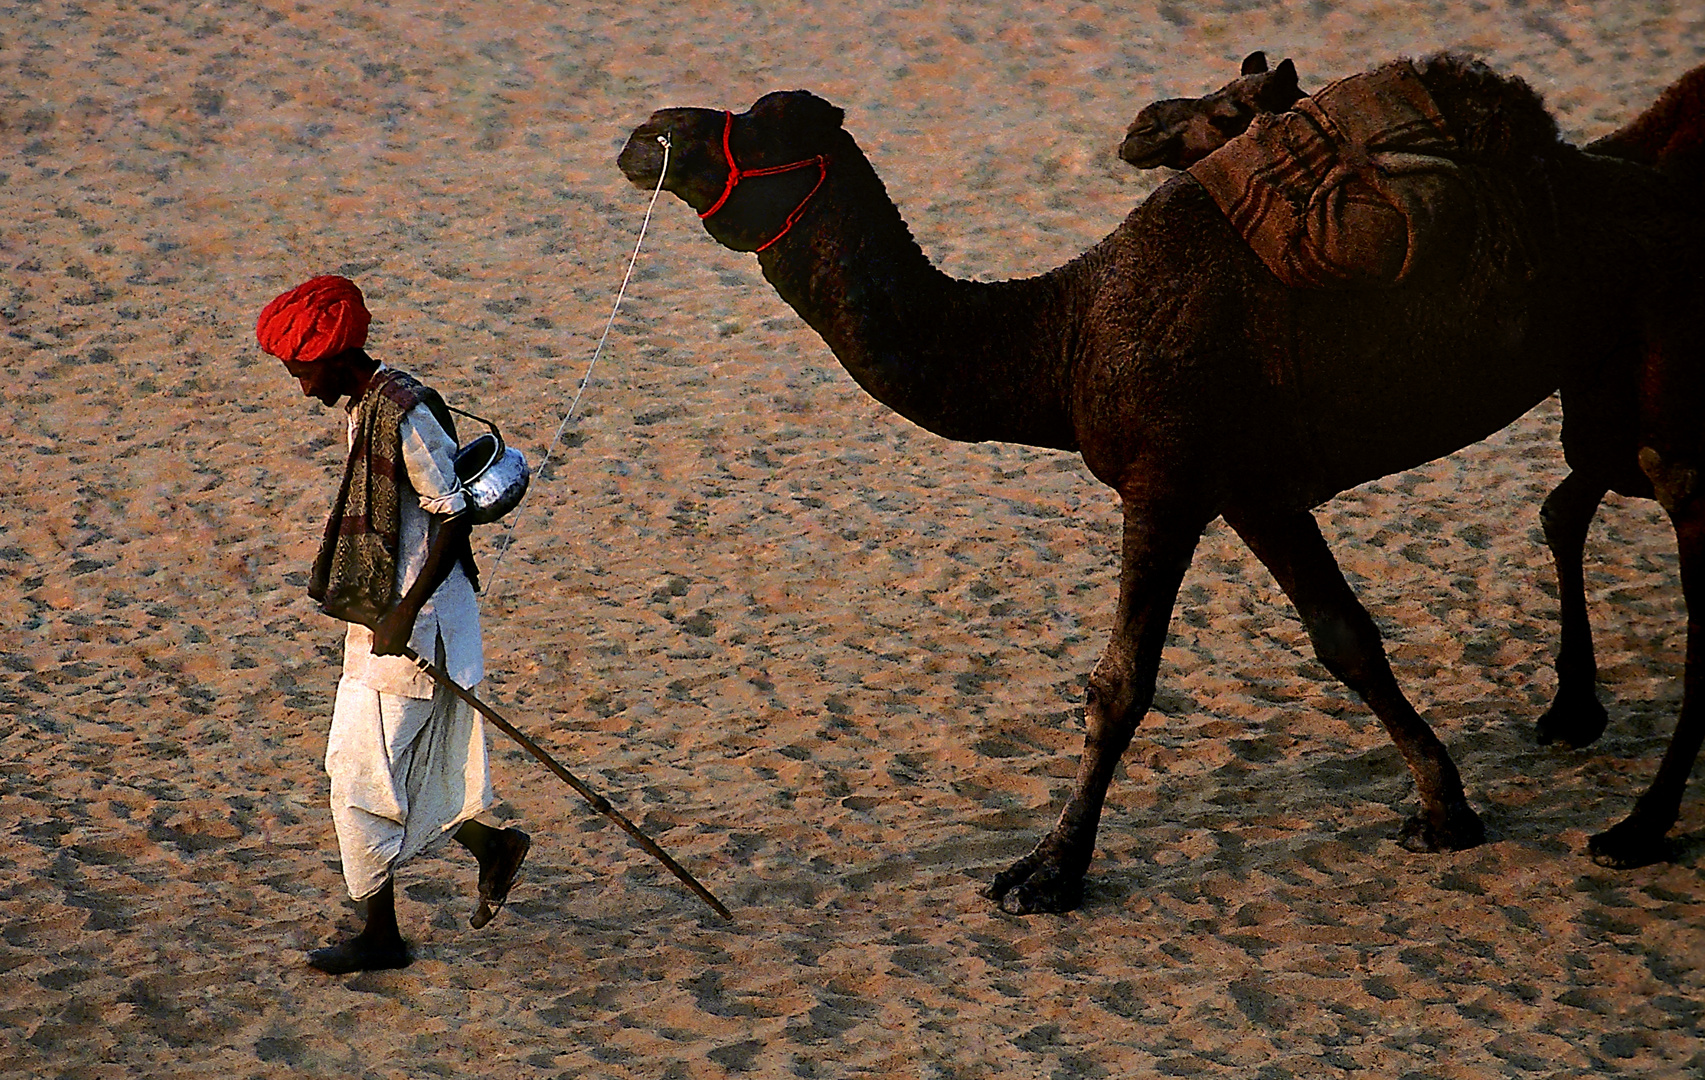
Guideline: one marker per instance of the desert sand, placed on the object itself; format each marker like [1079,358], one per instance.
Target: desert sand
[833,663]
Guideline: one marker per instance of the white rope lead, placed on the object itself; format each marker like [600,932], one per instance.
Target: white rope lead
[515,519]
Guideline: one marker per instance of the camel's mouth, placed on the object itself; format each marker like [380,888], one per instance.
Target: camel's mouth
[1144,153]
[641,160]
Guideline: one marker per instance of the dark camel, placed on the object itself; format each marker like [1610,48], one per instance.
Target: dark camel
[1178,132]
[1196,385]
[1669,136]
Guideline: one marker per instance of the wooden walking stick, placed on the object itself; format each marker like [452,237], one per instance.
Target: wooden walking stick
[597,801]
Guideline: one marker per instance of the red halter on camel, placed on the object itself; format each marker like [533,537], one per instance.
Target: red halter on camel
[737,174]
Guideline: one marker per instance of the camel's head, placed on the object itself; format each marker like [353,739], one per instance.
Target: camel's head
[781,147]
[1179,132]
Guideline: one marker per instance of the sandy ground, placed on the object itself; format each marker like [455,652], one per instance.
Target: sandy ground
[833,663]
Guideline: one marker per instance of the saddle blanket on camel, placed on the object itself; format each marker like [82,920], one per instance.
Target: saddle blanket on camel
[1361,185]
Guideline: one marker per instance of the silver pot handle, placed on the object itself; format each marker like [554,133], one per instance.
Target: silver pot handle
[496,434]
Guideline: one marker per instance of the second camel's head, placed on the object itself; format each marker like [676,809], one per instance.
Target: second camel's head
[1178,132]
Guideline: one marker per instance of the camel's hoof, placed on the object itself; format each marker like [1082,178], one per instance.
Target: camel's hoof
[1459,830]
[1575,720]
[1629,844]
[1034,887]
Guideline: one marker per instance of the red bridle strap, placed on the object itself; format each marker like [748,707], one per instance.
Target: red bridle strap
[737,174]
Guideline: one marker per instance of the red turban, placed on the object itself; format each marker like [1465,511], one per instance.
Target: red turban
[321,317]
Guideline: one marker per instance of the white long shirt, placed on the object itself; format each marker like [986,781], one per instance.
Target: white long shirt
[451,614]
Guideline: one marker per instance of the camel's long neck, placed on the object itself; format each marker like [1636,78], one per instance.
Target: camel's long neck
[967,360]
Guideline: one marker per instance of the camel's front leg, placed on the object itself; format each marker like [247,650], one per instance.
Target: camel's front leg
[1159,540]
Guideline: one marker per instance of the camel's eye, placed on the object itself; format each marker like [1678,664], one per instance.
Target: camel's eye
[1233,123]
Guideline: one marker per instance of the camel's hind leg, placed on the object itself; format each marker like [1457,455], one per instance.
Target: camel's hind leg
[1576,716]
[1639,838]
[1348,643]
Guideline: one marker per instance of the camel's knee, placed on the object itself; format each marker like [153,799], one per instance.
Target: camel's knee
[1117,695]
[1567,512]
[1553,516]
[1350,647]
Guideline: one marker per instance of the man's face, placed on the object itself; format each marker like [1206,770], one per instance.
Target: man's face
[324,380]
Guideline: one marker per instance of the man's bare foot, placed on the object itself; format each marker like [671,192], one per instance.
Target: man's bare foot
[358,954]
[508,850]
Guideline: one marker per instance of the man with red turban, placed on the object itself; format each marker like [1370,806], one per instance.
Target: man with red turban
[407,759]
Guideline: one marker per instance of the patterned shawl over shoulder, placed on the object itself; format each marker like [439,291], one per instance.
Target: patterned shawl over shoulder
[355,576]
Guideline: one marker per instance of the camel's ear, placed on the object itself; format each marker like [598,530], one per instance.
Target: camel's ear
[1279,92]
[1254,64]
[798,107]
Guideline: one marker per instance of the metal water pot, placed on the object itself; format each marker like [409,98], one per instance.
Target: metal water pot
[494,476]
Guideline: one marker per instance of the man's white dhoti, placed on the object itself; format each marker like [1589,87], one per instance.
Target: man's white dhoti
[405,772]
[407,758]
